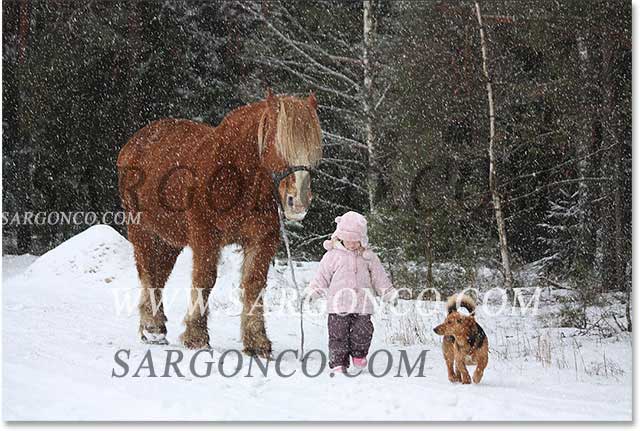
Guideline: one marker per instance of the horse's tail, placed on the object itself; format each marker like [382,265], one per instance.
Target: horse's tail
[460,300]
[129,176]
[122,187]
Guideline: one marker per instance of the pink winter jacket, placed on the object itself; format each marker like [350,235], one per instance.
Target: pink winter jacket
[348,278]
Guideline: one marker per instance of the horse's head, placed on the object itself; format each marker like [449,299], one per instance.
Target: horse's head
[289,135]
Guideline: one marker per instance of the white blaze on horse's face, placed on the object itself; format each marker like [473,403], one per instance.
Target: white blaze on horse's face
[297,195]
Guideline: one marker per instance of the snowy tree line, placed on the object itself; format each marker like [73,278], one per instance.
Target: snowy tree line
[403,106]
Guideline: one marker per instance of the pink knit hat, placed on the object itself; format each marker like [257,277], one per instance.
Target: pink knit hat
[352,227]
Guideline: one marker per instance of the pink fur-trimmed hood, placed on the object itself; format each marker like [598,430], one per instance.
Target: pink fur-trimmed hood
[351,226]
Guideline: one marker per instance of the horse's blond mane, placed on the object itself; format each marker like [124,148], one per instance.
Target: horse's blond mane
[298,135]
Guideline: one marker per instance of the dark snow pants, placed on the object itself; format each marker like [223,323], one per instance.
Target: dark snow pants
[349,335]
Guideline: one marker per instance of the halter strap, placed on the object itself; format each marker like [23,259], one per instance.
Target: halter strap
[277,177]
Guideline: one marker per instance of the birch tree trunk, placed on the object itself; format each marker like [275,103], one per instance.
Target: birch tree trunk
[493,186]
[367,99]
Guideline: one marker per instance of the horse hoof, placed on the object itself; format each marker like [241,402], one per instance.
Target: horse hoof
[195,342]
[262,352]
[151,338]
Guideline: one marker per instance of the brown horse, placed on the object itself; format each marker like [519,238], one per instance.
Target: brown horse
[205,187]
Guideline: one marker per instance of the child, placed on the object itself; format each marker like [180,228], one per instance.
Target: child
[345,275]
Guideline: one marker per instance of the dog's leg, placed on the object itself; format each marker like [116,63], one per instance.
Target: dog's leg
[483,359]
[462,368]
[448,350]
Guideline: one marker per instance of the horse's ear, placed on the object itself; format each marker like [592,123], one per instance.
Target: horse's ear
[313,102]
[271,99]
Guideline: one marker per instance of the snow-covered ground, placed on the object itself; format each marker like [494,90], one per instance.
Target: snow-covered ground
[62,327]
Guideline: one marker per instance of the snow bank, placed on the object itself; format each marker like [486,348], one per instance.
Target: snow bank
[98,256]
[101,257]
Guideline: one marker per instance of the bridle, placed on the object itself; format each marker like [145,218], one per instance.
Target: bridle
[277,177]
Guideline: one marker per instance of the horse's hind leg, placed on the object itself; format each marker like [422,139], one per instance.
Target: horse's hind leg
[154,260]
[255,267]
[206,251]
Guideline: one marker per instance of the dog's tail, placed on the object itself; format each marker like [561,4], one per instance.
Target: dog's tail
[460,300]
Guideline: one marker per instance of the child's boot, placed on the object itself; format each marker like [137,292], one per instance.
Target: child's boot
[359,363]
[338,370]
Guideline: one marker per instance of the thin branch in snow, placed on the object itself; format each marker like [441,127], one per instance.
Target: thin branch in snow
[384,94]
[290,42]
[341,42]
[333,204]
[342,165]
[353,142]
[340,161]
[343,181]
[558,166]
[307,78]
[340,109]
[313,238]
[556,183]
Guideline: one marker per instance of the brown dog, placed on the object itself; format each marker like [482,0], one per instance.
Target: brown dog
[464,342]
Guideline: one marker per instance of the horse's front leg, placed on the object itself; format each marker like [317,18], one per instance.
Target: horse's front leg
[205,266]
[255,267]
